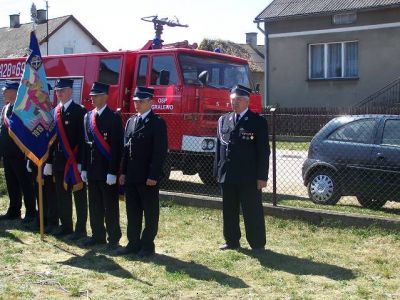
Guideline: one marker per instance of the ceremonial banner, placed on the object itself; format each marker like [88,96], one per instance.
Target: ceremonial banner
[31,124]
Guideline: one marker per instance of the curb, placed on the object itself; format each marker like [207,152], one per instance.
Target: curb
[314,216]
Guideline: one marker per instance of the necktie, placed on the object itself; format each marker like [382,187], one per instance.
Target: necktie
[139,123]
[237,118]
[9,110]
[62,110]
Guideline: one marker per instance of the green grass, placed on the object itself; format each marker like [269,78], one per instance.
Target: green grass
[304,261]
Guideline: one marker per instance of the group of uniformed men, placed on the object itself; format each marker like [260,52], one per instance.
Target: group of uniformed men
[93,153]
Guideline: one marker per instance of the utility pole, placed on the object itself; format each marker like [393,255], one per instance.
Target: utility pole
[47,27]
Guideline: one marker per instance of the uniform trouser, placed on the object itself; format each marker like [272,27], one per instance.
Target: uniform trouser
[142,199]
[249,198]
[64,199]
[18,180]
[50,210]
[104,206]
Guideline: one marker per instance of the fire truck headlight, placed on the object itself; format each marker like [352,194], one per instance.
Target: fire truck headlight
[210,144]
[204,145]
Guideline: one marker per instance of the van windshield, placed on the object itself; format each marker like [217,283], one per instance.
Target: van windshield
[221,73]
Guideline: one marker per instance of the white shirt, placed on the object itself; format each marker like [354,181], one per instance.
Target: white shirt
[144,115]
[101,110]
[242,114]
[66,104]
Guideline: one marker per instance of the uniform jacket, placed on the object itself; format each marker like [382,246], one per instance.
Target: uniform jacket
[145,149]
[7,145]
[242,153]
[110,126]
[72,119]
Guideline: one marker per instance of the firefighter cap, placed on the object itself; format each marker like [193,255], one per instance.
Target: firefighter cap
[142,93]
[99,88]
[240,91]
[63,83]
[11,85]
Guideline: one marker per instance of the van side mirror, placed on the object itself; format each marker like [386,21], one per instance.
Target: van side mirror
[203,77]
[164,77]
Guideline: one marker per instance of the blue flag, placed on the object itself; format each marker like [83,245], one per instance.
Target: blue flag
[31,124]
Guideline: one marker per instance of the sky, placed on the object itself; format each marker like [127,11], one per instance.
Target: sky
[117,25]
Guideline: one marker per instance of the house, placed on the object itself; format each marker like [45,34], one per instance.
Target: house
[250,51]
[330,53]
[66,35]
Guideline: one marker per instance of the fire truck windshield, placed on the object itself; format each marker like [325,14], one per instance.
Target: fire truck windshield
[221,73]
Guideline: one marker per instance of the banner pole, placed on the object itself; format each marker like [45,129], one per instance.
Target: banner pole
[40,187]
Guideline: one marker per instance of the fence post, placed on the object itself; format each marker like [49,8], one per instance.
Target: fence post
[273,111]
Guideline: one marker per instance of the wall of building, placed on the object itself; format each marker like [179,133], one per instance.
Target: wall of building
[325,22]
[71,36]
[378,65]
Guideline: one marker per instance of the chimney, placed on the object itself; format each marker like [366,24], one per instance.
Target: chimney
[251,39]
[14,21]
[41,16]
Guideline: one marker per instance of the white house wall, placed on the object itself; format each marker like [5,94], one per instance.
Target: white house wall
[70,35]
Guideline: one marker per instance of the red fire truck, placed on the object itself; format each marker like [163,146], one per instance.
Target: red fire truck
[190,105]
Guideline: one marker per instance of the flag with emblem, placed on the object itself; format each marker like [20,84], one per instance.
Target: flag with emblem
[31,124]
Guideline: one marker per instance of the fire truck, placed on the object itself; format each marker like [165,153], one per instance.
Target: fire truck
[191,92]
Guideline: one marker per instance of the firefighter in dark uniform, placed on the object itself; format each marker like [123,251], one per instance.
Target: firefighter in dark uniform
[104,143]
[241,166]
[146,146]
[66,158]
[18,179]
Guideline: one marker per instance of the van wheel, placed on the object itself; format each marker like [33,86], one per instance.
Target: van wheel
[369,202]
[323,188]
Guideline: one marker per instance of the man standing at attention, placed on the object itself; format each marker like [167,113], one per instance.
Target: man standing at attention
[241,166]
[17,177]
[146,146]
[65,162]
[103,136]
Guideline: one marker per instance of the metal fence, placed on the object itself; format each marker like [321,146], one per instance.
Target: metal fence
[317,161]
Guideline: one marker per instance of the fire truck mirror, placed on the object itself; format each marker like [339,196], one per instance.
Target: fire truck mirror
[203,77]
[258,88]
[164,77]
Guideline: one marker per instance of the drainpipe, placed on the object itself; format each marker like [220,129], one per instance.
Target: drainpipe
[266,100]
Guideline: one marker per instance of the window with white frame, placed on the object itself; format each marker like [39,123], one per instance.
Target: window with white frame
[333,60]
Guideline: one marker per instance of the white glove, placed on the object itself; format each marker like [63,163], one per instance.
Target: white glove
[48,169]
[84,176]
[111,179]
[79,168]
[28,166]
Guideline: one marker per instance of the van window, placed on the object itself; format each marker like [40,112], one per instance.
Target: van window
[142,70]
[109,70]
[163,70]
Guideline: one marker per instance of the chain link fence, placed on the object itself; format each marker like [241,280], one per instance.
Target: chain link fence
[317,161]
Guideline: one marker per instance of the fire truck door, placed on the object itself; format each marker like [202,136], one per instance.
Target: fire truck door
[165,81]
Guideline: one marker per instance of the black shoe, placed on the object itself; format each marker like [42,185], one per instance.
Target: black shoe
[50,228]
[28,219]
[10,216]
[93,242]
[127,250]
[145,253]
[229,247]
[76,236]
[60,231]
[112,247]
[258,250]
